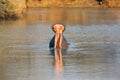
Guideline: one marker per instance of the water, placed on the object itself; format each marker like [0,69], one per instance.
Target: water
[93,53]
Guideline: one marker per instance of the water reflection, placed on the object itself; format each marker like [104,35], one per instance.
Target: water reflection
[73,16]
[58,63]
[65,16]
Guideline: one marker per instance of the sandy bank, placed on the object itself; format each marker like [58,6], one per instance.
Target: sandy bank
[74,3]
[17,8]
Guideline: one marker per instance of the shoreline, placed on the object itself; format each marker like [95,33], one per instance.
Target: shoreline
[12,9]
[74,3]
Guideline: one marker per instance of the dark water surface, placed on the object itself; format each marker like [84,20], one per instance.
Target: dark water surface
[93,53]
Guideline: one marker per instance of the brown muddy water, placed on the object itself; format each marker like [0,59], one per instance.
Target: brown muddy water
[94,45]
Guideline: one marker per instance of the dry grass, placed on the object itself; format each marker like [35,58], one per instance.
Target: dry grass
[113,3]
[12,8]
[73,3]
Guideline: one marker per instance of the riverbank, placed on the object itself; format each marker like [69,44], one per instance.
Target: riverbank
[74,3]
[17,8]
[12,9]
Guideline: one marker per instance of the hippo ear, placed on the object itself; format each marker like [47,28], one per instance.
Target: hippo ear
[53,28]
[63,28]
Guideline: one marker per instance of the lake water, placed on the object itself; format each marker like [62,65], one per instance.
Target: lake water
[94,45]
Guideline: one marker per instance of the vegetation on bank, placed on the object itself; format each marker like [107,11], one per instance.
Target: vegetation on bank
[74,3]
[12,8]
[17,8]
